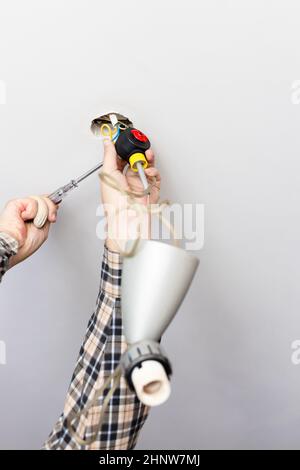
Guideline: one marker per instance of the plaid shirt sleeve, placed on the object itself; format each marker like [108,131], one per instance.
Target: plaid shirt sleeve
[100,354]
[8,248]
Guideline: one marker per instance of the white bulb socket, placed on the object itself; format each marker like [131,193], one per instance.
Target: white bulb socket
[151,383]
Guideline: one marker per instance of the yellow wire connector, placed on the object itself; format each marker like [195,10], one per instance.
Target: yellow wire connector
[107,132]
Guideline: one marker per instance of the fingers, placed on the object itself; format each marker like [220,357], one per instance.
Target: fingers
[150,157]
[45,211]
[42,213]
[39,209]
[29,208]
[153,172]
[52,209]
[110,156]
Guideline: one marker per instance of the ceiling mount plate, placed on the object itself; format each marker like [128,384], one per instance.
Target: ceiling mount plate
[106,119]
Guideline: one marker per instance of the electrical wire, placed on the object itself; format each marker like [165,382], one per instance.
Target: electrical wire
[115,377]
[108,132]
[115,137]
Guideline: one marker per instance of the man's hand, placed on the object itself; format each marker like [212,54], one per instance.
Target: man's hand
[114,200]
[16,221]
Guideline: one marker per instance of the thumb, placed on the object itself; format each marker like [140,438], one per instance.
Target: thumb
[110,156]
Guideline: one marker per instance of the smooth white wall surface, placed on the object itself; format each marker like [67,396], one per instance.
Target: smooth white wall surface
[211,83]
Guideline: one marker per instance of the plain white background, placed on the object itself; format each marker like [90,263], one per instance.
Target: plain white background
[210,82]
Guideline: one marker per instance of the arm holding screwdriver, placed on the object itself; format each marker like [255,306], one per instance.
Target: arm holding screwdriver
[104,343]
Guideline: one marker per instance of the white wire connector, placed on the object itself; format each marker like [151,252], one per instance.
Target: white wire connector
[113,119]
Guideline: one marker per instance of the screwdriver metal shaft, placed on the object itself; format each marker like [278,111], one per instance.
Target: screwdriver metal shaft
[58,195]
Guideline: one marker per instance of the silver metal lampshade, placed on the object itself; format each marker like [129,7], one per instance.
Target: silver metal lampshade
[154,283]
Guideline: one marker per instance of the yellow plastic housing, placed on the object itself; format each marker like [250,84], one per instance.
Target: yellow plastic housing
[137,157]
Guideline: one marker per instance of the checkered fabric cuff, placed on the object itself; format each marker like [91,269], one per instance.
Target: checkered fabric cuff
[8,247]
[112,264]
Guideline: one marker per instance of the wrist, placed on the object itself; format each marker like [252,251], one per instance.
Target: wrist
[11,247]
[127,227]
[13,233]
[13,260]
[112,245]
[11,243]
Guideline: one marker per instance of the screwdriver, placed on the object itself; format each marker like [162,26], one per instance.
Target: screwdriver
[131,146]
[58,195]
